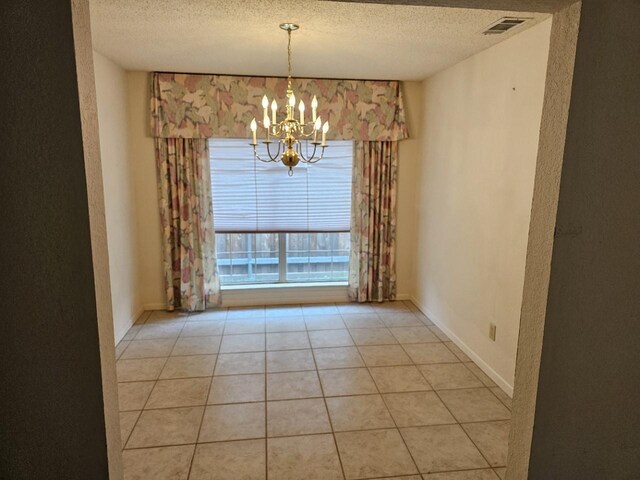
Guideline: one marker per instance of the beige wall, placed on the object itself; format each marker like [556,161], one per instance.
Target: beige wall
[142,154]
[479,143]
[111,92]
[408,161]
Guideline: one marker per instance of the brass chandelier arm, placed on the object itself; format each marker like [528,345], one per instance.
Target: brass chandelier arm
[277,155]
[271,158]
[312,158]
[311,129]
[277,129]
[274,130]
[289,132]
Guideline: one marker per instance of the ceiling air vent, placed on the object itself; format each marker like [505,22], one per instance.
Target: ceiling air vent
[502,25]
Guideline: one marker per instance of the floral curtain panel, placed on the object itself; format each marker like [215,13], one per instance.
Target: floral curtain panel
[186,212]
[372,263]
[205,106]
[188,109]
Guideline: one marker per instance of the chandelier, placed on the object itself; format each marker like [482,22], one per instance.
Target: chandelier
[289,132]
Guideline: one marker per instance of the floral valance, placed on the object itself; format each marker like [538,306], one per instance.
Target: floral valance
[204,106]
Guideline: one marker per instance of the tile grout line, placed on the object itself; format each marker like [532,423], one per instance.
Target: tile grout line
[266,411]
[316,398]
[206,403]
[465,432]
[131,432]
[499,399]
[441,401]
[450,413]
[292,371]
[397,429]
[317,370]
[155,382]
[147,315]
[326,407]
[312,434]
[388,411]
[153,388]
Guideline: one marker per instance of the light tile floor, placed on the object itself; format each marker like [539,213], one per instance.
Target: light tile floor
[345,391]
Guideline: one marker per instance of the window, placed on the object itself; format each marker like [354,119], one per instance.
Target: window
[272,228]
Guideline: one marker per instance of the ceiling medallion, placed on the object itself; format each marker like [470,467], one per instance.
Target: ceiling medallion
[289,132]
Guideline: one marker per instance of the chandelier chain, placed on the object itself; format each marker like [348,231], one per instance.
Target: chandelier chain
[288,133]
[289,55]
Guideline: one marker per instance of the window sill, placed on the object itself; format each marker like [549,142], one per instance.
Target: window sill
[268,286]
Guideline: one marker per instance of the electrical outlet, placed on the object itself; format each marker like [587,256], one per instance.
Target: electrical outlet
[492,331]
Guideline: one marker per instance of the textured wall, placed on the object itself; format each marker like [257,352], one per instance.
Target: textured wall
[587,420]
[98,229]
[52,414]
[540,244]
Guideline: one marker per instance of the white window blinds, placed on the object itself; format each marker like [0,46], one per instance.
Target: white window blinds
[253,196]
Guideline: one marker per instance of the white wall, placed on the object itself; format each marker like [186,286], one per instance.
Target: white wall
[142,154]
[111,92]
[479,142]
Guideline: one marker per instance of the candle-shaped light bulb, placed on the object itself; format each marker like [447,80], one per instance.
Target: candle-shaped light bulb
[254,127]
[292,100]
[314,108]
[325,129]
[265,106]
[267,124]
[301,108]
[316,128]
[274,108]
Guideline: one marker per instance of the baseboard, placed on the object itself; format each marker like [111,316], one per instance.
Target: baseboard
[138,312]
[154,306]
[277,296]
[484,366]
[296,295]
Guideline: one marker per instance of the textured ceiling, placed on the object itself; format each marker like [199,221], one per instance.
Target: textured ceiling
[336,40]
[519,5]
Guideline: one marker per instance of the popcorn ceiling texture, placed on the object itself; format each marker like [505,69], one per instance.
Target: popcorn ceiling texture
[520,5]
[336,40]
